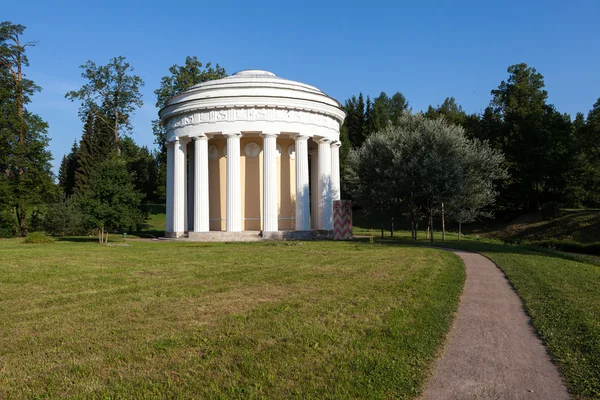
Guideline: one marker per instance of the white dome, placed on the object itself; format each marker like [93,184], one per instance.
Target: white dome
[253,88]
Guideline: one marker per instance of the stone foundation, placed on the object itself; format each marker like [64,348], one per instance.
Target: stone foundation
[247,236]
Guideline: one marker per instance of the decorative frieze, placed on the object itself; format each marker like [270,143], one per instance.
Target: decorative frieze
[251,115]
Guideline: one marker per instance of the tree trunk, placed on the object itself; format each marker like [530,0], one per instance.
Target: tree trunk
[22,218]
[392,230]
[431,226]
[117,132]
[382,224]
[21,208]
[459,229]
[443,224]
[413,235]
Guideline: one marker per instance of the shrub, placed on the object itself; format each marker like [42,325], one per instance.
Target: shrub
[38,238]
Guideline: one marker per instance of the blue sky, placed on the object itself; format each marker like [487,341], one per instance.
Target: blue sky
[428,50]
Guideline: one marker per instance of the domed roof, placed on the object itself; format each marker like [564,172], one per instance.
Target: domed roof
[253,88]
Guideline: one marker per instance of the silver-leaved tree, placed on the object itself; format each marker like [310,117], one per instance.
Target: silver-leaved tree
[419,164]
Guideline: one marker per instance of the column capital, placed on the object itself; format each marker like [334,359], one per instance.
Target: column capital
[336,143]
[229,135]
[321,140]
[300,136]
[269,134]
[181,140]
[169,143]
[200,137]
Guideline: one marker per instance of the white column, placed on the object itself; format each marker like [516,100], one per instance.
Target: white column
[201,219]
[270,209]
[170,182]
[178,186]
[324,189]
[234,203]
[186,220]
[335,170]
[314,189]
[302,199]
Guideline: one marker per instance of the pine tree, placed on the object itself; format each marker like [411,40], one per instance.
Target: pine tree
[26,161]
[66,172]
[97,143]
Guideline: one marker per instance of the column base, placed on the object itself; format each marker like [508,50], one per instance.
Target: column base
[174,235]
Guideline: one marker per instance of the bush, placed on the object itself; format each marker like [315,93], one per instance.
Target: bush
[65,218]
[38,238]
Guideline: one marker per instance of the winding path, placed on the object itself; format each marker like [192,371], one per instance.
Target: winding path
[492,351]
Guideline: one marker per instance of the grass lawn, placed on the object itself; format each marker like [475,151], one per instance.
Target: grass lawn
[561,293]
[207,320]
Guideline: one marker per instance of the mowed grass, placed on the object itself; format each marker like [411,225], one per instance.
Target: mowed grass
[561,293]
[198,320]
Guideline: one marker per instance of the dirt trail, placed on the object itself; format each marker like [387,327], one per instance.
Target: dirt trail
[492,351]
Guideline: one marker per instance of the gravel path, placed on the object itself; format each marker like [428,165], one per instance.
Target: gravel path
[492,351]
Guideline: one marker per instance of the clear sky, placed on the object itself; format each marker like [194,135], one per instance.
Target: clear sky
[428,50]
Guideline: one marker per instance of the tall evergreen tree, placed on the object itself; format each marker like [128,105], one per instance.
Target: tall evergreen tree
[521,103]
[589,137]
[97,143]
[66,172]
[25,162]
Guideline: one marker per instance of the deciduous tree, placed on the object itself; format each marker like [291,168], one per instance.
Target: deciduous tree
[111,93]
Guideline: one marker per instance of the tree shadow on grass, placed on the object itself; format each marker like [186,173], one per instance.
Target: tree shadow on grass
[481,247]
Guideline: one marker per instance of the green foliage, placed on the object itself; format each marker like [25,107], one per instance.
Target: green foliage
[24,158]
[418,164]
[38,238]
[67,171]
[7,218]
[143,165]
[111,95]
[65,217]
[111,200]
[96,145]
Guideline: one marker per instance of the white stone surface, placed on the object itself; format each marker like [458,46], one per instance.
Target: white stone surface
[234,204]
[314,195]
[335,170]
[302,182]
[270,209]
[201,216]
[170,183]
[178,186]
[324,188]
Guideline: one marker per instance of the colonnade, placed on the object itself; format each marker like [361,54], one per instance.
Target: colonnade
[324,183]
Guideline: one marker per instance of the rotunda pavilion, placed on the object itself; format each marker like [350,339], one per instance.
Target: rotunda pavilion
[239,153]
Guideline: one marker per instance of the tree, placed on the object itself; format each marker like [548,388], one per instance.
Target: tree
[520,102]
[95,146]
[66,171]
[111,200]
[483,168]
[141,162]
[111,94]
[180,78]
[452,112]
[370,176]
[25,160]
[588,135]
[387,110]
[419,164]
